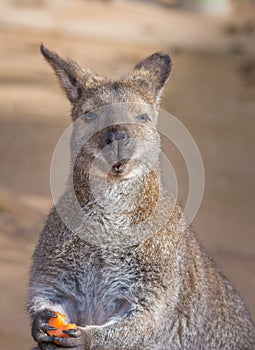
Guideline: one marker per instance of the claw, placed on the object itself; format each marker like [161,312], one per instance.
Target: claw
[56,340]
[49,328]
[50,314]
[68,342]
[71,332]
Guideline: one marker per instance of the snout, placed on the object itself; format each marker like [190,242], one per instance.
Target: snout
[118,148]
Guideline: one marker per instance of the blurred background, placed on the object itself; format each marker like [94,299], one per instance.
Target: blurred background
[211,91]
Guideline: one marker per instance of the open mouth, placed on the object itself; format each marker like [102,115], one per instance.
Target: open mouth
[119,167]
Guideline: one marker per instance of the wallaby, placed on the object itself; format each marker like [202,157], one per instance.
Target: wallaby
[162,292]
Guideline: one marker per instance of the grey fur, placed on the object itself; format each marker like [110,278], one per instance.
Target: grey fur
[160,294]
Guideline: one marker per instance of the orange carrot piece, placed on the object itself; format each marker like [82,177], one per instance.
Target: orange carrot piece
[61,325]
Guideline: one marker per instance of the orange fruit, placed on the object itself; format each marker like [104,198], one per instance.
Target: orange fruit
[61,325]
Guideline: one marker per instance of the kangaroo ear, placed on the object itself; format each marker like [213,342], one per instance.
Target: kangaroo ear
[152,73]
[69,73]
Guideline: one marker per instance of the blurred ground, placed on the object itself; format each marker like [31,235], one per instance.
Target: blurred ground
[212,91]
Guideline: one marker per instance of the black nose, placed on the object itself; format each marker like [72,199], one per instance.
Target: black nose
[116,136]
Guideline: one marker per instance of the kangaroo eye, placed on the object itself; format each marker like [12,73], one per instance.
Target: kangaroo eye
[143,117]
[89,116]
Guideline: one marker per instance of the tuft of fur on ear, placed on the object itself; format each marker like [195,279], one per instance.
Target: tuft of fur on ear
[68,72]
[151,74]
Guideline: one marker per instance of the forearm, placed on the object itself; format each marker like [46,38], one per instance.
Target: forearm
[136,331]
[44,298]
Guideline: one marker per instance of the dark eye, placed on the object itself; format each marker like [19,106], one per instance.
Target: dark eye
[143,117]
[89,116]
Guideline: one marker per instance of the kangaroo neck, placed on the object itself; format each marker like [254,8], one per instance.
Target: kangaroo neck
[134,197]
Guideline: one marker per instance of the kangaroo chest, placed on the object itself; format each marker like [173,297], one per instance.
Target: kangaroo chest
[103,290]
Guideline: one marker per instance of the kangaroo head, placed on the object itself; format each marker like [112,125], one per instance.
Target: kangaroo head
[118,117]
